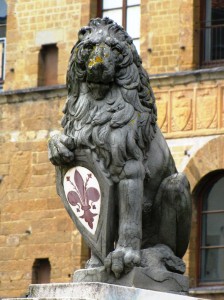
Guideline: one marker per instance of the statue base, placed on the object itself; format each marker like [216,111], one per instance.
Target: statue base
[144,278]
[95,291]
[159,270]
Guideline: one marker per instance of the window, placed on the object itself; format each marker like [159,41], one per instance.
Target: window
[3,17]
[124,12]
[212,32]
[48,65]
[2,60]
[41,271]
[211,219]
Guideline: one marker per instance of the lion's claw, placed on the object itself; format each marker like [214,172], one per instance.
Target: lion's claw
[122,260]
[60,149]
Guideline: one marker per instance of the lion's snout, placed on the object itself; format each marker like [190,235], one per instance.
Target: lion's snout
[100,65]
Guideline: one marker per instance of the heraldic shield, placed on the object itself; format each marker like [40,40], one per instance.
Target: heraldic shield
[87,193]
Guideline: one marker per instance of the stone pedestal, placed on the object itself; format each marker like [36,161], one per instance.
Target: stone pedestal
[159,270]
[96,291]
[144,278]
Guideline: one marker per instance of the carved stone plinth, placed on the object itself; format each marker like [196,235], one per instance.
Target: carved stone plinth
[139,277]
[96,291]
[159,270]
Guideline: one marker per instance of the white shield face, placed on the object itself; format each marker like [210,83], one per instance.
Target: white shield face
[83,195]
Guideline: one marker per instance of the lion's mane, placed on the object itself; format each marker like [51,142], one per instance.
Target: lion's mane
[121,125]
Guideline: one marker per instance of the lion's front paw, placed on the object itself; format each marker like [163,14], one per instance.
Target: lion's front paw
[60,149]
[122,259]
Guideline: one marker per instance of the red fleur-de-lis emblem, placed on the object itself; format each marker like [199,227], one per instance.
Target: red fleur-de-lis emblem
[83,196]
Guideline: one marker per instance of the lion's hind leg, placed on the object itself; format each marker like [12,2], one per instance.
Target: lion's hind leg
[172,210]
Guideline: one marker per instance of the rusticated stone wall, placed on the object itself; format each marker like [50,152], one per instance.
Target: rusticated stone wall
[190,114]
[170,35]
[33,221]
[31,24]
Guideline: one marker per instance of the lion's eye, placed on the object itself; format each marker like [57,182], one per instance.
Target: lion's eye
[84,53]
[88,45]
[117,50]
[86,49]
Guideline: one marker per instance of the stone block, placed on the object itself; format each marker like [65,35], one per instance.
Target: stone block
[13,240]
[20,170]
[97,291]
[41,180]
[41,157]
[7,253]
[2,239]
[4,169]
[139,277]
[25,205]
[54,203]
[16,275]
[16,227]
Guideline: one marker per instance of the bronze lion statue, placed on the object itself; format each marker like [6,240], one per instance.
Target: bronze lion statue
[111,110]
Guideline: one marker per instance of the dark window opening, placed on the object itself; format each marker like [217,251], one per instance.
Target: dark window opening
[3,19]
[41,271]
[211,229]
[48,65]
[212,32]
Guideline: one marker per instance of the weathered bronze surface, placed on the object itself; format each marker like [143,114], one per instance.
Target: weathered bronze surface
[111,113]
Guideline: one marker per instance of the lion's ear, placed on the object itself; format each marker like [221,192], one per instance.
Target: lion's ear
[83,32]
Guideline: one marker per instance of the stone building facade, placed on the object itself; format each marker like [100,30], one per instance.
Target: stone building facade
[35,230]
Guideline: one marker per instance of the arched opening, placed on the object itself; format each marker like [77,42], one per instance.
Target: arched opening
[205,162]
[41,271]
[209,195]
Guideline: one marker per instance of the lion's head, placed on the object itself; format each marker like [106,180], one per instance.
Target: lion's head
[104,54]
[105,67]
